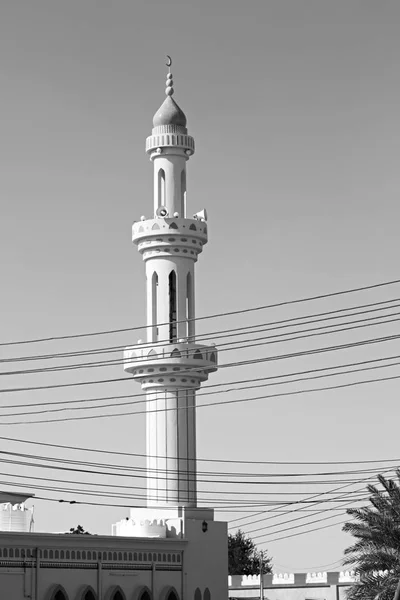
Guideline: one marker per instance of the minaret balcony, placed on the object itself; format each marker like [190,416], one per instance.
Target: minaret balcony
[155,142]
[173,365]
[170,236]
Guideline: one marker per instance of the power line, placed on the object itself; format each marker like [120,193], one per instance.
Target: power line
[232,332]
[322,350]
[243,344]
[212,316]
[209,404]
[215,392]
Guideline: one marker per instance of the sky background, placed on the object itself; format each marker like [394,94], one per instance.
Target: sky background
[293,105]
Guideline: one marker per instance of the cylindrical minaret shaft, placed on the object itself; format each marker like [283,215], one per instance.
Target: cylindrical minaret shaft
[170,366]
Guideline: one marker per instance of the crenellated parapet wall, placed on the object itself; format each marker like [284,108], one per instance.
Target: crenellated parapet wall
[316,579]
[170,237]
[169,137]
[141,528]
[164,365]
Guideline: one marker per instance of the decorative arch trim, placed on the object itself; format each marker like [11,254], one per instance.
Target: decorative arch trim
[167,591]
[51,594]
[197,594]
[111,592]
[139,593]
[207,594]
[84,590]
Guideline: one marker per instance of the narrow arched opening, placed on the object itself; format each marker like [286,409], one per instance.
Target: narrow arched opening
[161,187]
[197,594]
[190,306]
[183,192]
[172,306]
[154,307]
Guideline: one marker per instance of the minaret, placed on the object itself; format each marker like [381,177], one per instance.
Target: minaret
[170,366]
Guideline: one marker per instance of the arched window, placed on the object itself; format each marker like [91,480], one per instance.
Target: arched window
[89,595]
[145,595]
[207,595]
[175,353]
[161,187]
[193,227]
[198,355]
[183,191]
[190,306]
[172,596]
[152,353]
[117,594]
[212,357]
[155,226]
[173,225]
[197,594]
[58,593]
[172,306]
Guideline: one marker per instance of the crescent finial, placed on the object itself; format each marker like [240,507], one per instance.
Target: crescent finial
[169,61]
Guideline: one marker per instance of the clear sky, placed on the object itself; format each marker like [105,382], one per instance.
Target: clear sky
[294,106]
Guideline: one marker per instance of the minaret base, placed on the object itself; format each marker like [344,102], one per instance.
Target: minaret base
[154,522]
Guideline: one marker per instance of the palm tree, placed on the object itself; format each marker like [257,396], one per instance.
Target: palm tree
[375,555]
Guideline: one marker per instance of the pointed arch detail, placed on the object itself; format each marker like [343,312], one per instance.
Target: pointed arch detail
[57,592]
[207,594]
[142,593]
[169,593]
[86,593]
[115,593]
[197,594]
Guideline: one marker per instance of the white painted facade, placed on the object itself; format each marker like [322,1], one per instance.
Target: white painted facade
[171,366]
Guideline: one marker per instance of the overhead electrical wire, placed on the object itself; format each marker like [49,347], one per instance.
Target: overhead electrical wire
[212,316]
[209,460]
[209,404]
[230,389]
[232,332]
[245,344]
[253,361]
[170,471]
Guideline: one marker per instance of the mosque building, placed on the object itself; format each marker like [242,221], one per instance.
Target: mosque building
[173,549]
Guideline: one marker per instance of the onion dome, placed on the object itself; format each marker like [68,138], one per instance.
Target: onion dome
[169,112]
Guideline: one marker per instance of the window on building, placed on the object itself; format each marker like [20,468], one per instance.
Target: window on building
[183,191]
[161,187]
[197,594]
[207,595]
[172,306]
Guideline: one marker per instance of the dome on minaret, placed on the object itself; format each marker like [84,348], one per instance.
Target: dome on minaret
[169,112]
